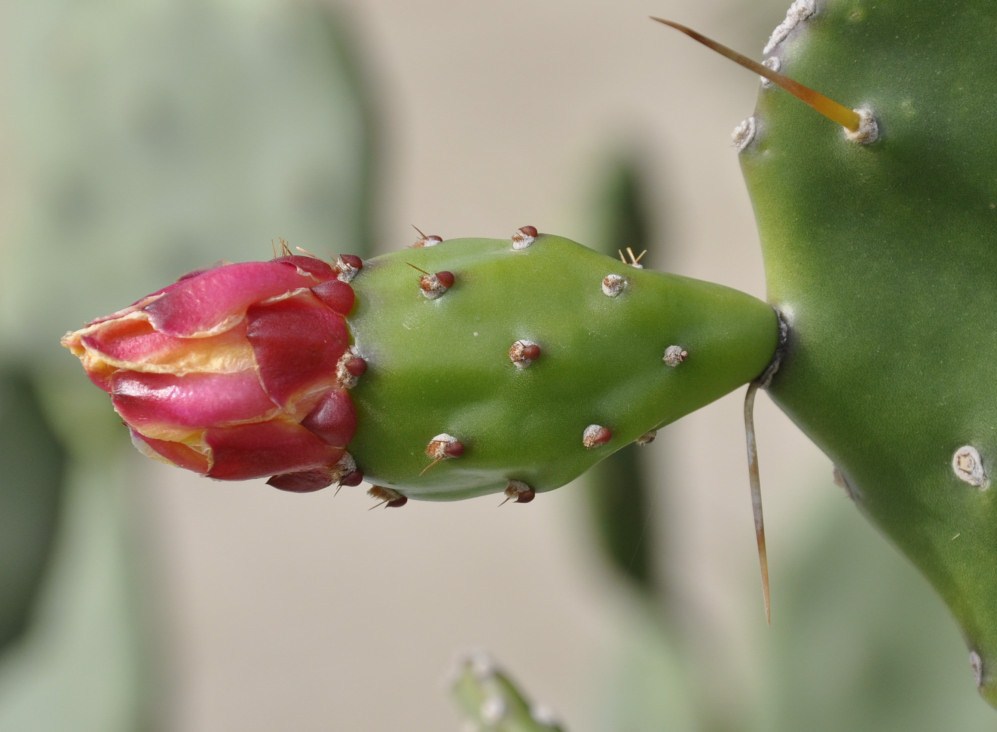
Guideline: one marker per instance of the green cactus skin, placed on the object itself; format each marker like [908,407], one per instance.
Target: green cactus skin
[881,258]
[443,366]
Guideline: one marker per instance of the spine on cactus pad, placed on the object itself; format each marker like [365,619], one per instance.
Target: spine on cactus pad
[446,370]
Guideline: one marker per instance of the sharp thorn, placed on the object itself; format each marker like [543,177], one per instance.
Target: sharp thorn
[429,467]
[754,478]
[834,111]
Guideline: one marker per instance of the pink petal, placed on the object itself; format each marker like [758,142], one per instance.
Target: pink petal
[334,419]
[303,482]
[132,343]
[316,267]
[148,401]
[211,300]
[297,342]
[173,452]
[265,449]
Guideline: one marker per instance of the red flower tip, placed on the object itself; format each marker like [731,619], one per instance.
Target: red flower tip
[231,371]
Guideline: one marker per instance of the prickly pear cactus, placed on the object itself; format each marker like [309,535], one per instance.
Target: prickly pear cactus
[443,371]
[881,256]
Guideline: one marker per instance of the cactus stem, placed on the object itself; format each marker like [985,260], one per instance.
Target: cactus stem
[674,355]
[754,478]
[976,663]
[523,352]
[632,259]
[647,438]
[519,492]
[387,497]
[744,134]
[595,435]
[425,241]
[614,284]
[968,467]
[524,237]
[848,118]
[347,267]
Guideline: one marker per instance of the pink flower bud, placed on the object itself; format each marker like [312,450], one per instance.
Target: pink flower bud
[231,371]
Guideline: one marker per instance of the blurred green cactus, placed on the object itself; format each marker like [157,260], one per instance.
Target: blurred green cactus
[33,465]
[491,702]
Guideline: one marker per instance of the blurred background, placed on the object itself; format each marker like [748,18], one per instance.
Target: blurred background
[142,140]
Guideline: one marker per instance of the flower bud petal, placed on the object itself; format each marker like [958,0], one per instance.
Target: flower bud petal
[334,419]
[175,453]
[266,449]
[211,301]
[232,372]
[297,342]
[303,482]
[132,343]
[337,295]
[166,406]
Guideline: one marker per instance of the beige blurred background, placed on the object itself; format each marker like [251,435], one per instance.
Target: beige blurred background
[497,115]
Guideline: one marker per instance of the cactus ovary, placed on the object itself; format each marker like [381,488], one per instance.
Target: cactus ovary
[455,365]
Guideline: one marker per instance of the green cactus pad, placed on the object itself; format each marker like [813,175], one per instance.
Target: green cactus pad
[443,366]
[882,259]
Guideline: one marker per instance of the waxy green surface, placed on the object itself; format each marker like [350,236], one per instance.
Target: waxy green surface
[442,366]
[883,259]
